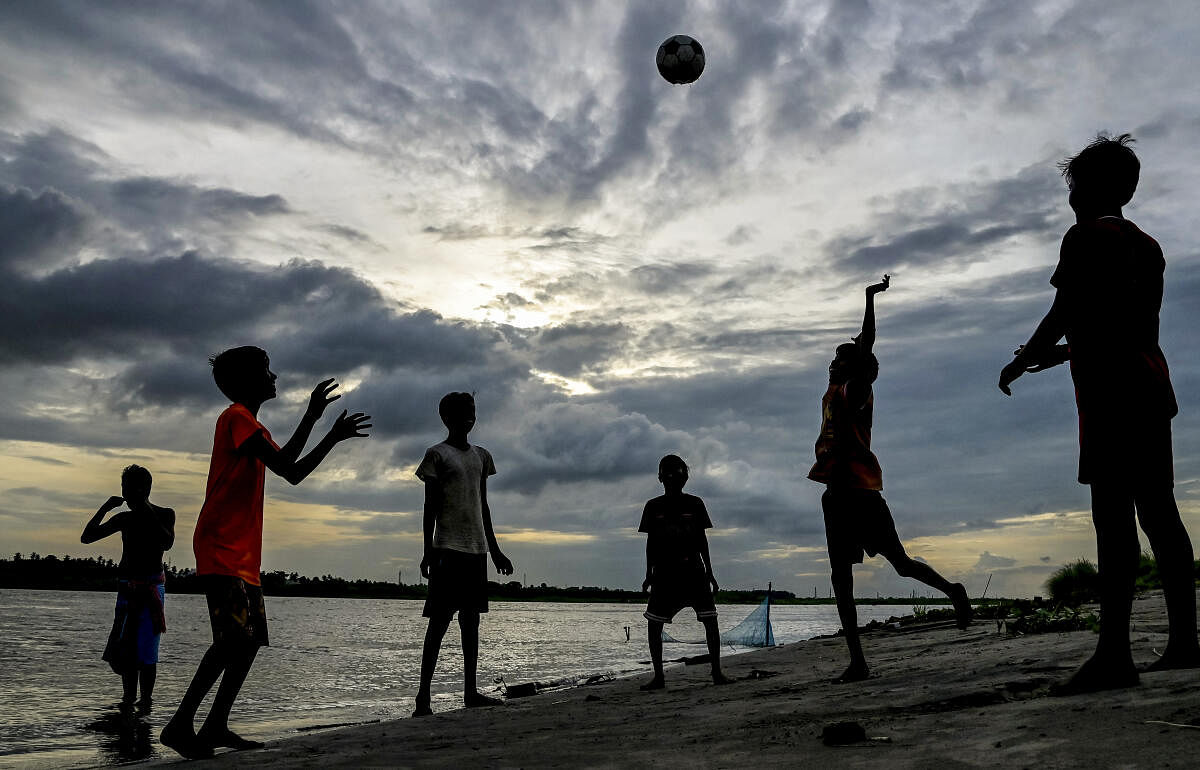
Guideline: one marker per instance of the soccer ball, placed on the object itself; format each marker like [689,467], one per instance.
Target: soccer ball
[680,59]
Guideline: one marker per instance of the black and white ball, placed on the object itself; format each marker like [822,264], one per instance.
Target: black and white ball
[680,59]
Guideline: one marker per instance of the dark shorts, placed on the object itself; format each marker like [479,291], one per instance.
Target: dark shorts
[1131,452]
[457,581]
[857,521]
[236,611]
[672,591]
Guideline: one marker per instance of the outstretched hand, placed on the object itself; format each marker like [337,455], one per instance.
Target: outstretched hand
[1009,374]
[350,426]
[875,288]
[320,398]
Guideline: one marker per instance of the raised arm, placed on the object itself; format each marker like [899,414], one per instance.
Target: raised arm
[317,402]
[294,471]
[503,565]
[866,338]
[94,530]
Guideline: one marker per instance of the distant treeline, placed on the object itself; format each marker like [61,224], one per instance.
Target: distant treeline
[65,573]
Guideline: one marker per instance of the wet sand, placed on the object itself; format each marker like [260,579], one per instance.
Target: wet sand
[941,697]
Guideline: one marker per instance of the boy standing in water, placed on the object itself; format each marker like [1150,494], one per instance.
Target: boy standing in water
[147,530]
[1109,285]
[458,536]
[228,536]
[857,518]
[678,568]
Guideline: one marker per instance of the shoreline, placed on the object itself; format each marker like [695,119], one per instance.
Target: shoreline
[938,696]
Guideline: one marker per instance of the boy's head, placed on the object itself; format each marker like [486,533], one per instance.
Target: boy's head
[244,374]
[851,362]
[672,472]
[135,484]
[457,411]
[1103,175]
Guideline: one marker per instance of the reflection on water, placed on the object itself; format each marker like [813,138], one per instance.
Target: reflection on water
[332,661]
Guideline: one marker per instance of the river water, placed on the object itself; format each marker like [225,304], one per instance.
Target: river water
[331,662]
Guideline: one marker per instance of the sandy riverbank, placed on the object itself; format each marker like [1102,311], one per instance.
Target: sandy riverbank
[942,697]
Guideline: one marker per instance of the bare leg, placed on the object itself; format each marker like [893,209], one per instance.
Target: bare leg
[179,732]
[654,631]
[434,633]
[906,566]
[468,626]
[146,678]
[1159,516]
[712,636]
[215,731]
[843,589]
[1111,665]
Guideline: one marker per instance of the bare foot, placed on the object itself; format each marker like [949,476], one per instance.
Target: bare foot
[478,699]
[184,742]
[962,605]
[719,678]
[422,709]
[657,683]
[226,738]
[1171,661]
[857,672]
[1098,674]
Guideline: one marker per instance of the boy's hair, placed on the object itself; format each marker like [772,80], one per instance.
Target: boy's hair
[675,460]
[231,367]
[137,477]
[453,403]
[1106,168]
[866,365]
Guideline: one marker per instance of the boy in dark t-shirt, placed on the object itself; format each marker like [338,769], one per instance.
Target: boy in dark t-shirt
[678,568]
[1109,285]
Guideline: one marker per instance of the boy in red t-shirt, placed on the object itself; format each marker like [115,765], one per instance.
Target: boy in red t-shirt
[857,518]
[1109,285]
[228,536]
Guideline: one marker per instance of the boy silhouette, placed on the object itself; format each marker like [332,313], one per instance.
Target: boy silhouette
[458,536]
[1109,286]
[678,568]
[857,518]
[228,536]
[147,530]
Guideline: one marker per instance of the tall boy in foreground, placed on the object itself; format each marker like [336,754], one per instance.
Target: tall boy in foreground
[857,518]
[228,536]
[678,568]
[1109,285]
[458,537]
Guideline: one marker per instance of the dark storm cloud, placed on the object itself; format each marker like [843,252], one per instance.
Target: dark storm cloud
[958,225]
[38,228]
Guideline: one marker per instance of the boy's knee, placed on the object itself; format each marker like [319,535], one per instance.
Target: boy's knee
[468,618]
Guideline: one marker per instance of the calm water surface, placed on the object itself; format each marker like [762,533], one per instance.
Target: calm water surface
[331,662]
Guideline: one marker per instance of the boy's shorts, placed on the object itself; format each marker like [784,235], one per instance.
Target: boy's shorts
[457,581]
[236,611]
[672,591]
[1135,452]
[857,521]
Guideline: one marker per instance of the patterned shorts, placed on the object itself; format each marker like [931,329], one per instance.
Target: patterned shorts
[236,611]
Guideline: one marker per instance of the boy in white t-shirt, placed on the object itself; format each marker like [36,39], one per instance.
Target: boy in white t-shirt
[458,537]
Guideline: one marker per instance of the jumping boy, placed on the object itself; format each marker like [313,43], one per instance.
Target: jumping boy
[147,530]
[1109,283]
[458,537]
[857,518]
[228,536]
[678,568]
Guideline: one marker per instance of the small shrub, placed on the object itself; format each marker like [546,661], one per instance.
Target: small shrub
[1074,583]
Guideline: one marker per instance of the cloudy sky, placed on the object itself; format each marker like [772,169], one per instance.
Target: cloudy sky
[506,198]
